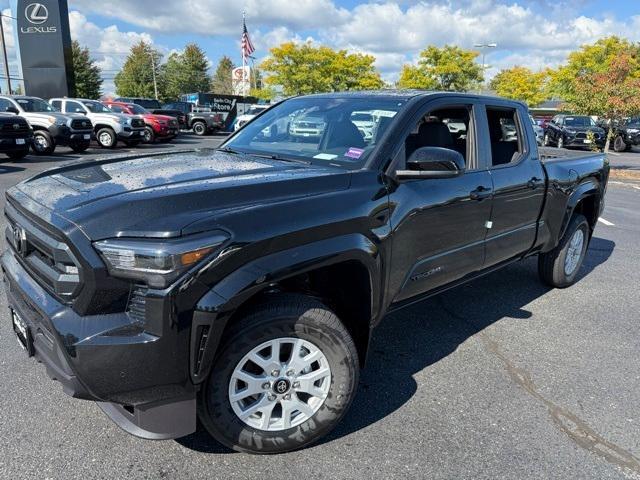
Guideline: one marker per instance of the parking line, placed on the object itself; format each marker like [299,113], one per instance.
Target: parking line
[606,222]
[614,153]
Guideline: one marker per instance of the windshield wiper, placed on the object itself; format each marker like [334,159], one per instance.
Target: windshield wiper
[229,150]
[273,156]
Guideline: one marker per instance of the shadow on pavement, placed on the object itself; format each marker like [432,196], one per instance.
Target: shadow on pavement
[437,327]
[10,169]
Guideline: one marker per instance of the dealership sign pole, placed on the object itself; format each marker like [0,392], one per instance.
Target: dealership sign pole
[44,46]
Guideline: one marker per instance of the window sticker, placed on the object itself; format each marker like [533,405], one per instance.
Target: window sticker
[325,156]
[354,152]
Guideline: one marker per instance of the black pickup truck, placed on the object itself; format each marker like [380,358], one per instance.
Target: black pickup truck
[16,136]
[242,286]
[190,117]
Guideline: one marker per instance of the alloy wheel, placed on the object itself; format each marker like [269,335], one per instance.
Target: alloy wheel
[574,252]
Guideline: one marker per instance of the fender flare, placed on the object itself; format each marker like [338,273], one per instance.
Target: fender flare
[586,189]
[215,308]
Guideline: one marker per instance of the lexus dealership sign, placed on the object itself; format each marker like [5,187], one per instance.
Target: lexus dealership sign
[44,45]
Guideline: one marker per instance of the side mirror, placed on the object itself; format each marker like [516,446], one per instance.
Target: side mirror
[12,109]
[433,162]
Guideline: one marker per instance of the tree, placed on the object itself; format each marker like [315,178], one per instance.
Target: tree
[612,94]
[136,77]
[520,83]
[185,72]
[88,81]
[449,68]
[305,68]
[221,81]
[592,59]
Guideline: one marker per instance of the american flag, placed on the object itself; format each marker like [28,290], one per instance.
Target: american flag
[247,46]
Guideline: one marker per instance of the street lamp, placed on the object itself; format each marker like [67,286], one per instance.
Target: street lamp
[483,47]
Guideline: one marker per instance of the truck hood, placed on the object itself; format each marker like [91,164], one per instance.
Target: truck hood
[586,129]
[113,117]
[175,194]
[44,115]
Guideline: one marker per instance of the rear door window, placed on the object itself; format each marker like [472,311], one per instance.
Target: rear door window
[506,136]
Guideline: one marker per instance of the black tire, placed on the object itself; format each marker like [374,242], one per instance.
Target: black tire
[551,265]
[43,143]
[619,144]
[149,135]
[80,148]
[287,315]
[106,137]
[18,154]
[199,128]
[560,142]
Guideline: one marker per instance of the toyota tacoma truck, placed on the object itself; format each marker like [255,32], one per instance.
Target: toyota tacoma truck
[51,127]
[16,136]
[241,286]
[197,119]
[163,128]
[626,134]
[108,126]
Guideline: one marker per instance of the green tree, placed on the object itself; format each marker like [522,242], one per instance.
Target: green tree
[88,81]
[593,59]
[449,68]
[305,68]
[185,72]
[222,82]
[520,83]
[613,94]
[136,77]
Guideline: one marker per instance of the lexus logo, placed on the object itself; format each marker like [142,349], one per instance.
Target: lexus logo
[36,13]
[19,239]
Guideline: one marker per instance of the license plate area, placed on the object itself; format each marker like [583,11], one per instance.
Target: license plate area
[20,141]
[23,333]
[87,136]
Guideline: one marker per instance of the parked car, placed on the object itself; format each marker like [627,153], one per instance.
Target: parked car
[538,130]
[626,134]
[309,126]
[16,136]
[158,127]
[51,128]
[249,115]
[177,114]
[148,103]
[572,131]
[242,285]
[200,121]
[108,126]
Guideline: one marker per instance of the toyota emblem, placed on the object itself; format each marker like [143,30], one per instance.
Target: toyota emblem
[16,126]
[19,239]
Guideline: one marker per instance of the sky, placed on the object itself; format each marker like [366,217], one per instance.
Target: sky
[532,33]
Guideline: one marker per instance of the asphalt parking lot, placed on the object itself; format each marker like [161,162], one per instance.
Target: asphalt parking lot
[500,378]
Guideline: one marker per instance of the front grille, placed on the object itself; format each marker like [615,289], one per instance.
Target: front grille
[137,123]
[80,124]
[46,257]
[15,128]
[585,135]
[136,306]
[173,123]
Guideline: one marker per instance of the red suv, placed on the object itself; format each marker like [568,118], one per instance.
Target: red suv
[158,127]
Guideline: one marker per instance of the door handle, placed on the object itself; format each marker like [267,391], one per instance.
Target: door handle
[533,183]
[480,193]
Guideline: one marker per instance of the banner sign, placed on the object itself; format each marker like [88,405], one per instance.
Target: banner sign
[241,78]
[44,47]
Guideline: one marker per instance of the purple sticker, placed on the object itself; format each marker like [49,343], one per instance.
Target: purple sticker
[354,152]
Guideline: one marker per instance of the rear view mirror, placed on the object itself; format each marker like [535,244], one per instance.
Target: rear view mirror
[12,109]
[433,162]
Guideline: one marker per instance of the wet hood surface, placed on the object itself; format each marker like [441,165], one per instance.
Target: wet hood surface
[160,196]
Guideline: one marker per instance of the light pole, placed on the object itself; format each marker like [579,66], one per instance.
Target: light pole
[483,47]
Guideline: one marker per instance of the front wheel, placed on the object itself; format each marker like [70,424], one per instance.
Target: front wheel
[284,377]
[199,128]
[619,144]
[149,135]
[43,143]
[559,267]
[107,138]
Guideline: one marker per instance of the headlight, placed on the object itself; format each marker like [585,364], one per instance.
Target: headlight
[156,262]
[633,130]
[570,132]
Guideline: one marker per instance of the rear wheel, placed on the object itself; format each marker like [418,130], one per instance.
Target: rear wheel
[18,155]
[43,143]
[559,267]
[285,375]
[106,137]
[199,128]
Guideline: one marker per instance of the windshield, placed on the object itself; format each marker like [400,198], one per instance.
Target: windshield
[96,107]
[318,129]
[137,109]
[633,121]
[35,105]
[579,122]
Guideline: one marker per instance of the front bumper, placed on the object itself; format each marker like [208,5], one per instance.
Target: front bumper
[632,138]
[108,359]
[128,133]
[582,142]
[65,136]
[9,144]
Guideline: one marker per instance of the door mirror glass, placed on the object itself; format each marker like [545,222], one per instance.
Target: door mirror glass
[12,109]
[433,162]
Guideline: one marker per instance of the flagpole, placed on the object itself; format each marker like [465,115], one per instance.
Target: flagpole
[244,58]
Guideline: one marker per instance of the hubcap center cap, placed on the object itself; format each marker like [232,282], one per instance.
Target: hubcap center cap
[281,386]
